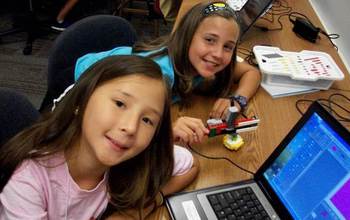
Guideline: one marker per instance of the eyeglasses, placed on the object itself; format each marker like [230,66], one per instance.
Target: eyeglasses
[218,6]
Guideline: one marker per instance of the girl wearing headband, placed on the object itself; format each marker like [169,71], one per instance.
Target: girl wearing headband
[108,141]
[198,57]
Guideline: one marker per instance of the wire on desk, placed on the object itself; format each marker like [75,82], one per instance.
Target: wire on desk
[277,8]
[281,8]
[341,90]
[219,158]
[249,56]
[330,37]
[327,103]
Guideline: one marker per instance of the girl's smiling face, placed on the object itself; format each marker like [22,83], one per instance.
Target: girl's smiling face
[121,118]
[213,44]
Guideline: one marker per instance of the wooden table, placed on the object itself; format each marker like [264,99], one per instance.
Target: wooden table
[277,116]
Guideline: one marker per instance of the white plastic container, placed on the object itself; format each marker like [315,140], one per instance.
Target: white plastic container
[305,69]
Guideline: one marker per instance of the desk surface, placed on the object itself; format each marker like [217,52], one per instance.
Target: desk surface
[277,116]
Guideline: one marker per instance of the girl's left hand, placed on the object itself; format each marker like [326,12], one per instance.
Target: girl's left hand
[220,108]
[189,130]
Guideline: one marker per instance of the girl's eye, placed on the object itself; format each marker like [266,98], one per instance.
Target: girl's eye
[148,121]
[209,40]
[229,47]
[119,103]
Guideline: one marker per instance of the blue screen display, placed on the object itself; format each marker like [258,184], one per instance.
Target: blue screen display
[312,174]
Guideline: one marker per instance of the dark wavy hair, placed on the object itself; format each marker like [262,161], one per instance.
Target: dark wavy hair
[131,184]
[177,47]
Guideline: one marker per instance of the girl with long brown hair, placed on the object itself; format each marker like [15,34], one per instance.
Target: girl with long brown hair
[198,57]
[108,140]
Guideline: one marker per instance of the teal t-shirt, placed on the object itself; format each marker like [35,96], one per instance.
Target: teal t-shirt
[84,62]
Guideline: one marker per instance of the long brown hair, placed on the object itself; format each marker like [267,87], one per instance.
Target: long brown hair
[130,184]
[177,47]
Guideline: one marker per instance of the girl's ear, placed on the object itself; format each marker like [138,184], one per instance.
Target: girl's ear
[76,111]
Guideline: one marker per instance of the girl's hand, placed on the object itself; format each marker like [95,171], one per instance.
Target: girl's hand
[189,130]
[220,108]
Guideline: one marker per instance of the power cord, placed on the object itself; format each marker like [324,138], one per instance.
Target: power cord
[219,158]
[303,27]
[331,37]
[265,29]
[329,104]
[342,90]
[279,8]
[249,56]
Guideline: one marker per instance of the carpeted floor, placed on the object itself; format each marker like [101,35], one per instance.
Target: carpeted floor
[24,73]
[27,73]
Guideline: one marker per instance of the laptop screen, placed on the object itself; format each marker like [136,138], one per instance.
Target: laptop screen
[250,12]
[312,174]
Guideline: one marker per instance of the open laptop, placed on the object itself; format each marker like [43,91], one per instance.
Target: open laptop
[248,11]
[306,177]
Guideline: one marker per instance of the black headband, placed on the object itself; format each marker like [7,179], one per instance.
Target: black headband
[218,6]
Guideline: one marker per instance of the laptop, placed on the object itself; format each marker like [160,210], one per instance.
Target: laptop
[306,177]
[248,11]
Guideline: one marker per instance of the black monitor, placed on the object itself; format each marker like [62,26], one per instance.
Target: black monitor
[250,12]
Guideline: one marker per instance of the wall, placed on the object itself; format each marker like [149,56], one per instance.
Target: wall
[335,17]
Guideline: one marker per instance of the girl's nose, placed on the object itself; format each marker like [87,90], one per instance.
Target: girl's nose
[218,52]
[128,123]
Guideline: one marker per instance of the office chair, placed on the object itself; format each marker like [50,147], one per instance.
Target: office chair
[34,27]
[152,11]
[16,113]
[31,25]
[91,34]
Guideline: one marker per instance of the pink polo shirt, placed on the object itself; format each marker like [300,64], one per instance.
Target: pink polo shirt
[47,191]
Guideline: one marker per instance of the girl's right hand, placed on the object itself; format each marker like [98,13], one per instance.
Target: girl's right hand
[189,130]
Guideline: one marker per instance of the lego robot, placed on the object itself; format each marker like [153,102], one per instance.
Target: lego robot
[231,127]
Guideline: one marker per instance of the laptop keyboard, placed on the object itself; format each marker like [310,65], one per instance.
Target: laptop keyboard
[239,204]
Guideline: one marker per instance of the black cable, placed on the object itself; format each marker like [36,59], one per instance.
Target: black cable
[327,103]
[251,59]
[331,102]
[293,15]
[342,90]
[244,51]
[220,158]
[274,29]
[282,10]
[249,56]
[244,115]
[286,5]
[330,37]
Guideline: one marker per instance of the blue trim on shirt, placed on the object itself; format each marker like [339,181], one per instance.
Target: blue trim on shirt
[84,62]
